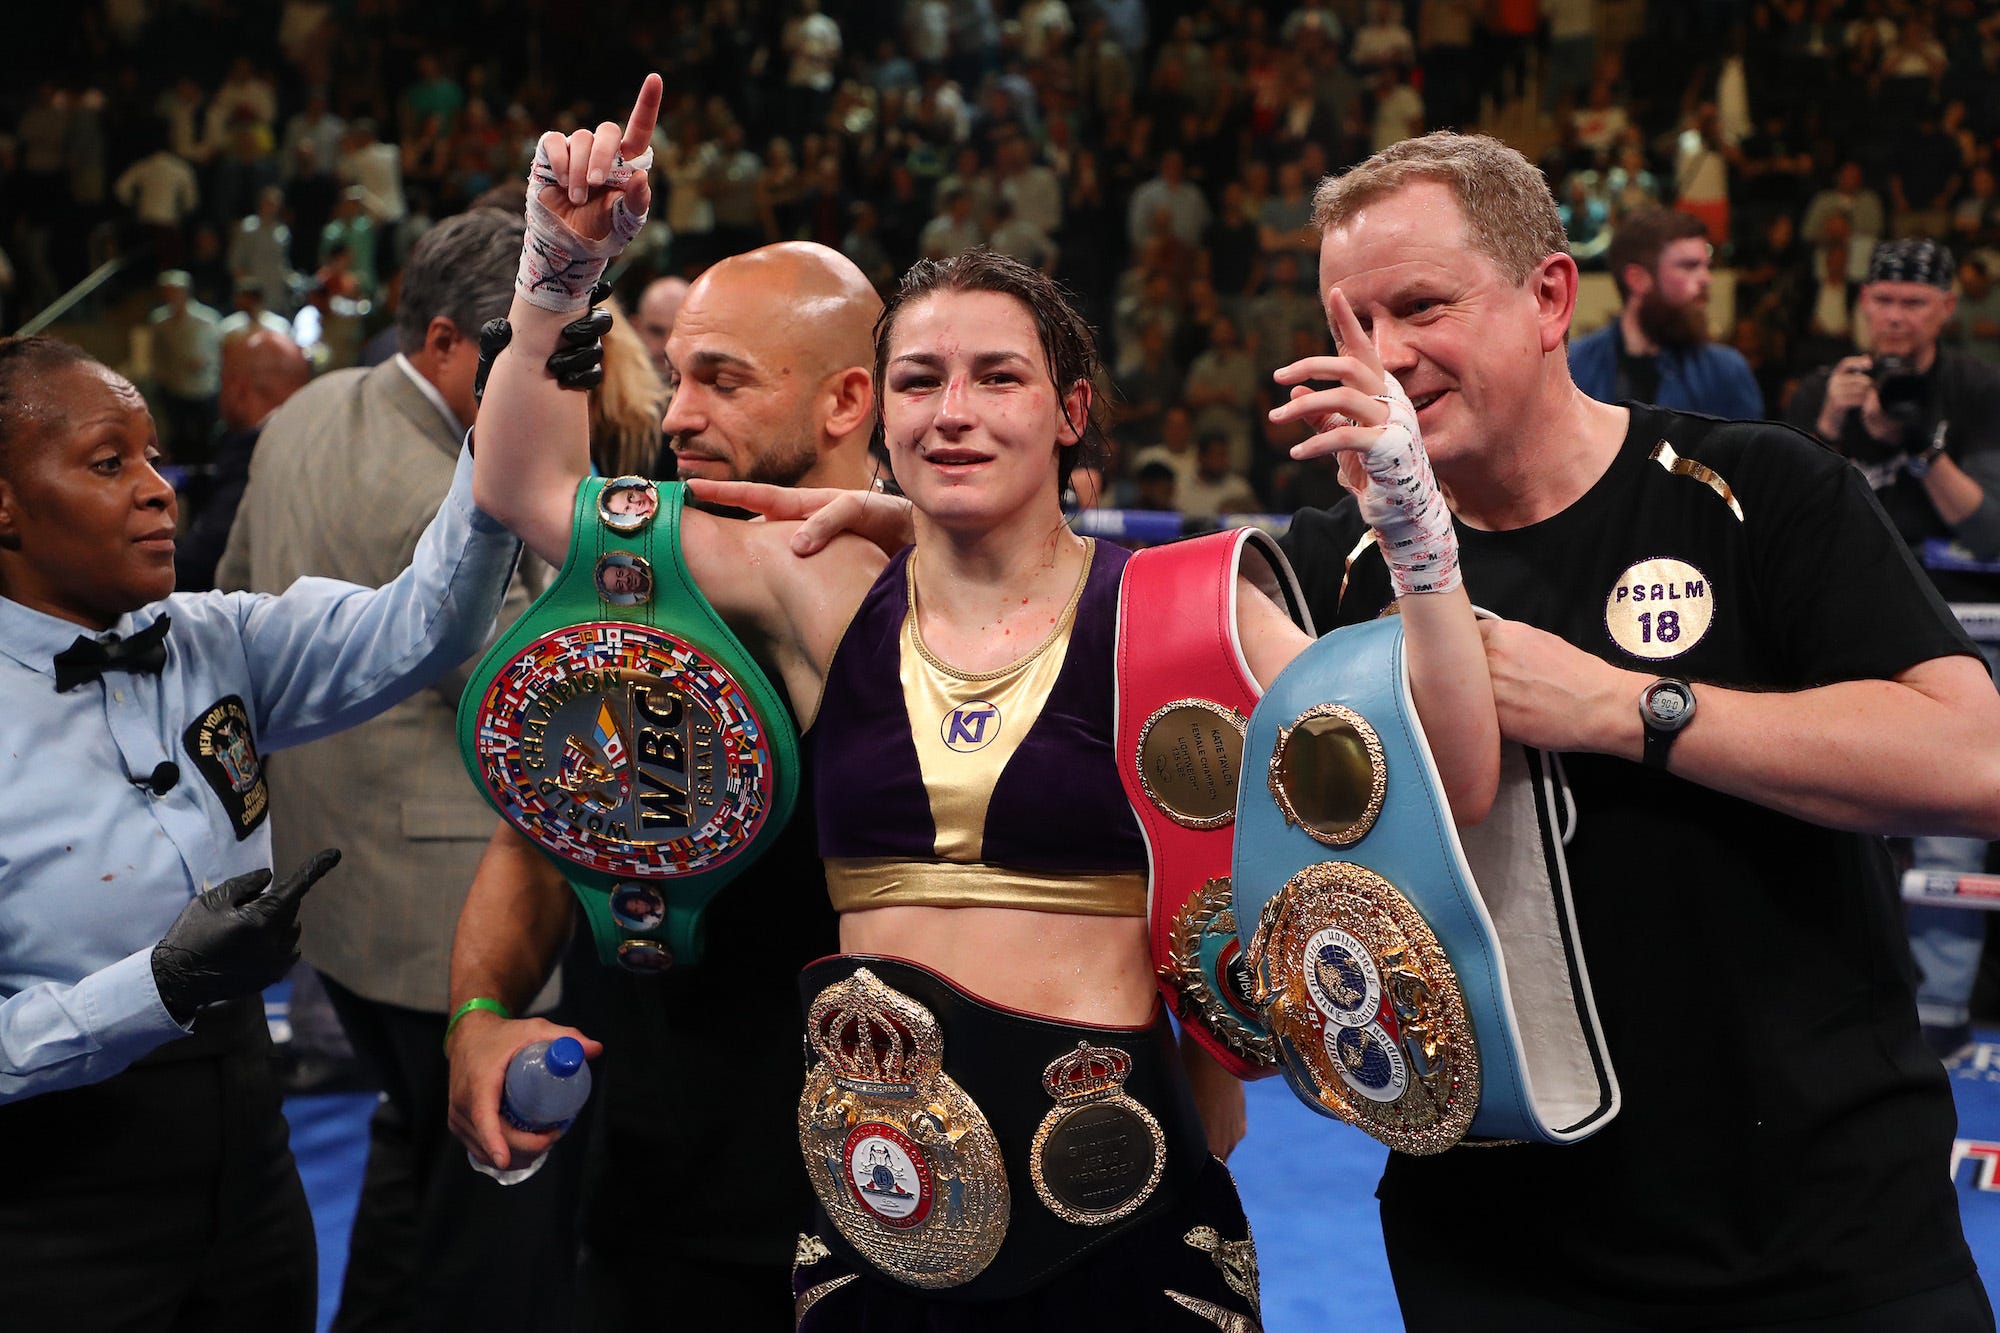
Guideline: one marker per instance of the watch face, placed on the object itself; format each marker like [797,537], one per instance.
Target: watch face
[1668,704]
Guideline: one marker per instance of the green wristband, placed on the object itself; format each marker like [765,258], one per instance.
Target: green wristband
[491,1006]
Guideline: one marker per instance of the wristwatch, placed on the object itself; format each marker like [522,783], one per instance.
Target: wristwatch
[1664,707]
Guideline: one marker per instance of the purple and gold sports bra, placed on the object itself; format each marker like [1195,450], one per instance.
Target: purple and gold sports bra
[941,788]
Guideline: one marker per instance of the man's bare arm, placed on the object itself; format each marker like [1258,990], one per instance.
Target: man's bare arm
[515,921]
[1916,754]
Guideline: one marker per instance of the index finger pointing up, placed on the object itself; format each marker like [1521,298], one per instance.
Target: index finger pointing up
[645,115]
[1348,335]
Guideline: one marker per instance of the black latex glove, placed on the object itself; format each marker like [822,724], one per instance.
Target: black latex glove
[234,939]
[577,362]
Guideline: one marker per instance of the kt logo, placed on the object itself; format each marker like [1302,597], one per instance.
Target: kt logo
[970,727]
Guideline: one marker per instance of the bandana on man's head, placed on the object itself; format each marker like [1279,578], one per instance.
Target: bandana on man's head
[1913,261]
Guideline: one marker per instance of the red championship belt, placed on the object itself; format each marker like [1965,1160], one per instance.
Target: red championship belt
[1185,694]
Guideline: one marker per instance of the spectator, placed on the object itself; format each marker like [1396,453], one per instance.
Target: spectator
[863,245]
[1572,51]
[1155,487]
[1975,214]
[1927,177]
[1031,187]
[1216,488]
[1011,234]
[1382,40]
[1850,197]
[185,348]
[375,168]
[1399,108]
[161,191]
[1658,350]
[251,314]
[1975,324]
[1149,384]
[1282,309]
[260,248]
[315,124]
[1701,171]
[432,98]
[953,231]
[811,42]
[1168,200]
[1221,390]
[352,234]
[1282,225]
[259,372]
[735,185]
[654,320]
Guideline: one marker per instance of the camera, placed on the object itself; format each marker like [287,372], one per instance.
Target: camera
[1900,388]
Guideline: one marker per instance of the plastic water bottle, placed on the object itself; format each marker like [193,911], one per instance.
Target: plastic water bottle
[547,1084]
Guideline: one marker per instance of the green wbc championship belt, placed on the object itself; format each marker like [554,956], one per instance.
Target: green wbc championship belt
[624,729]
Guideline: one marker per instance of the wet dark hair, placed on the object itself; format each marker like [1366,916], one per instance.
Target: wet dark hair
[1068,348]
[23,362]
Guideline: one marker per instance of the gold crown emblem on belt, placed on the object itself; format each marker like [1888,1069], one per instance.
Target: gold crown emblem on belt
[1087,1074]
[873,1038]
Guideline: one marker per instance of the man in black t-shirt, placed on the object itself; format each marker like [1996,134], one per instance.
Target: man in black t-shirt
[1782,1151]
[1922,423]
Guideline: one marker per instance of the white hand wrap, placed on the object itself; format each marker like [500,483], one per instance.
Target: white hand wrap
[559,267]
[1404,506]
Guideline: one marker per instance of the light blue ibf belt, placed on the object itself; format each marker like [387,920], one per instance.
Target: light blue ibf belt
[1404,1001]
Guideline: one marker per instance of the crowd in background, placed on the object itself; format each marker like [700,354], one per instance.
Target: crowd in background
[275,163]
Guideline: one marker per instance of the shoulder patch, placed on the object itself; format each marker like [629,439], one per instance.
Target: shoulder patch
[225,753]
[1663,454]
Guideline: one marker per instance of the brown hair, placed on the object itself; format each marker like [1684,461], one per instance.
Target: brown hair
[1510,216]
[1643,234]
[1068,348]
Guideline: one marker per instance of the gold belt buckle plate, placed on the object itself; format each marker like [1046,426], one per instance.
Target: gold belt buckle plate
[902,1159]
[1367,1008]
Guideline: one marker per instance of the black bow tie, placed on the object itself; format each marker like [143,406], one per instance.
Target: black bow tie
[87,659]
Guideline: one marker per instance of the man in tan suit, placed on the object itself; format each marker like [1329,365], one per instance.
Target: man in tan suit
[345,476]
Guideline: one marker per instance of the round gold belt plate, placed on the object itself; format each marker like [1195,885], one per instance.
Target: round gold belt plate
[1366,1007]
[627,750]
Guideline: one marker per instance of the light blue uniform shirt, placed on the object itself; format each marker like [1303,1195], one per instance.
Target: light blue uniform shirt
[93,869]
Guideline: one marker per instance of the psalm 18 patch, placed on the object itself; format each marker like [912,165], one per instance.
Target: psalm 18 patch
[1659,608]
[224,751]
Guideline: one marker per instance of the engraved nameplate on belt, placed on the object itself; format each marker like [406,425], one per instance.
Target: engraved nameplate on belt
[1098,1155]
[625,749]
[903,1161]
[1189,758]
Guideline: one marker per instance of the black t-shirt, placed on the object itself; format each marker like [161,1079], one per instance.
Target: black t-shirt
[696,1151]
[1783,1144]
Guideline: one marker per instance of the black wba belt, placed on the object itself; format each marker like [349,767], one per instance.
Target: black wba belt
[975,1152]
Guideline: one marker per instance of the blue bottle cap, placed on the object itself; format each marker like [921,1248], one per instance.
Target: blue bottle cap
[565,1056]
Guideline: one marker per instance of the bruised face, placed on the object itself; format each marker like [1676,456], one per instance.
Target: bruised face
[86,522]
[973,422]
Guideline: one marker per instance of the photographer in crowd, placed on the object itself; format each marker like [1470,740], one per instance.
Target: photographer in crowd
[1922,422]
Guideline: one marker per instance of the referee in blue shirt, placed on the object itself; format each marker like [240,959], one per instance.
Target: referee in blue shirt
[150,1185]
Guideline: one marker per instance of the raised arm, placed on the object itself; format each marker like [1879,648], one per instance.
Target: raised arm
[588,195]
[1368,421]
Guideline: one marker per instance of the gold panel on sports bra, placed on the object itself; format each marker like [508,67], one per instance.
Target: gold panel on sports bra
[858,883]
